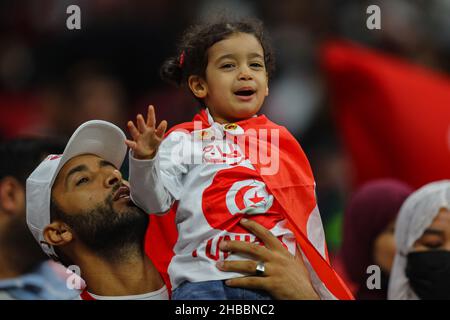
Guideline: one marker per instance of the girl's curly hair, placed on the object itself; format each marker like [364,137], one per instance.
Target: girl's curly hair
[194,44]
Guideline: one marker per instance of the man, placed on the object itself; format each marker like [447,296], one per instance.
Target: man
[80,212]
[25,272]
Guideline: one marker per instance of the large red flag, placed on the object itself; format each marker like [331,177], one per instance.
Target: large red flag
[293,187]
[394,117]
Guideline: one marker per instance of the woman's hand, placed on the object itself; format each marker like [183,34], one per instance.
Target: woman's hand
[285,276]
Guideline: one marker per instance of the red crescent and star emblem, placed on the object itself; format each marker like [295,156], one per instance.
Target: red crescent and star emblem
[236,193]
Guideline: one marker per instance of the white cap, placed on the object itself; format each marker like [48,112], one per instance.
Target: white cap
[96,137]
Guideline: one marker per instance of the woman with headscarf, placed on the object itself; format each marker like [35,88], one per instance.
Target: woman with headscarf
[422,262]
[368,235]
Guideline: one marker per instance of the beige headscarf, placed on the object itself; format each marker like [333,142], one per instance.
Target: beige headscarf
[416,215]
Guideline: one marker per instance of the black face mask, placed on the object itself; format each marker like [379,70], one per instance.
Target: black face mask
[429,274]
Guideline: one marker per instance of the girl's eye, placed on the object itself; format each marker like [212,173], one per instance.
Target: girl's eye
[257,65]
[227,66]
[81,181]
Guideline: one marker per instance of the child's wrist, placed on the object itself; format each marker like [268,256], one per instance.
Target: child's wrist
[147,156]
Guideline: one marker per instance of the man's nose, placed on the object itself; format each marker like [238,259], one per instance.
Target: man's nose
[113,178]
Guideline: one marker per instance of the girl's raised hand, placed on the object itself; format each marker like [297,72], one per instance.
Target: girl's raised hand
[146,138]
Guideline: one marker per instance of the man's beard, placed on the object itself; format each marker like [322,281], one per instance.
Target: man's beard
[110,234]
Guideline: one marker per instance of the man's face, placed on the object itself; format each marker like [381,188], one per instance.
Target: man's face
[94,202]
[86,181]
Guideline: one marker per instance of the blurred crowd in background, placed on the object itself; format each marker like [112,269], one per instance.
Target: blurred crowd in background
[53,79]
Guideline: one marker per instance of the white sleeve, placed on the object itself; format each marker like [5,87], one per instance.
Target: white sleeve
[155,184]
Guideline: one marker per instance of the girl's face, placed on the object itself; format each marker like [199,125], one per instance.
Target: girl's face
[236,81]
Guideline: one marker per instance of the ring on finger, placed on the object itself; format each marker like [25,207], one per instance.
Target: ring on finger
[260,268]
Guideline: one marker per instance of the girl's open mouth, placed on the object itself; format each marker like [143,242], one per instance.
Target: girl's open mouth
[245,94]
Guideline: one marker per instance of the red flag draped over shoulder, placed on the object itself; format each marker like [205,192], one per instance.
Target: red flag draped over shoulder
[291,183]
[394,117]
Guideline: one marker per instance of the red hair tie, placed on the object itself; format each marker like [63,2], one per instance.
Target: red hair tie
[182,59]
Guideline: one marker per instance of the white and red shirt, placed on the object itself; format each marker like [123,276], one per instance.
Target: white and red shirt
[215,186]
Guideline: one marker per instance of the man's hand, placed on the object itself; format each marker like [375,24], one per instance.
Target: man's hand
[146,139]
[285,276]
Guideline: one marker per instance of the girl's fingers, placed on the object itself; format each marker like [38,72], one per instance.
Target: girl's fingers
[161,129]
[151,119]
[141,125]
[131,144]
[133,130]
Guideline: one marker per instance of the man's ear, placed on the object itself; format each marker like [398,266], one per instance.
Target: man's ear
[12,196]
[58,233]
[198,86]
